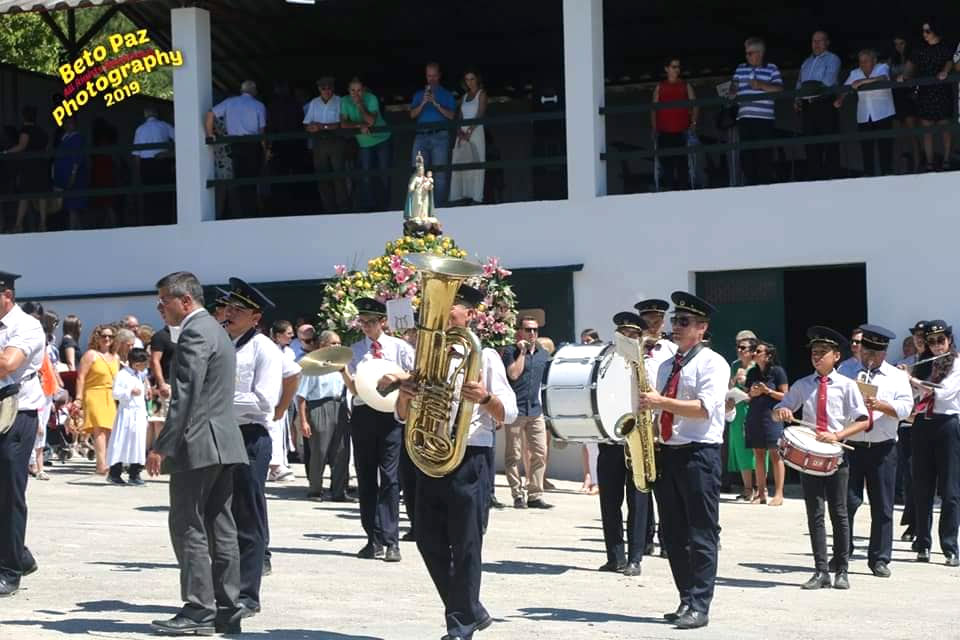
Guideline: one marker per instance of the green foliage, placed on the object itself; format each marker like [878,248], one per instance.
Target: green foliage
[27,42]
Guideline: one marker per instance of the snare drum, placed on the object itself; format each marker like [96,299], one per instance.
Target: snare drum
[587,391]
[802,451]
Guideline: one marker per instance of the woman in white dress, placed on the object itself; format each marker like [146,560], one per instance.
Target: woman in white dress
[470,145]
[128,441]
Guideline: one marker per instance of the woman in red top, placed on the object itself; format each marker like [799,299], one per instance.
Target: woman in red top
[670,126]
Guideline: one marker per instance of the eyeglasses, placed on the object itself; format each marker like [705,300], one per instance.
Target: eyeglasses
[759,352]
[681,321]
[530,329]
[744,347]
[106,336]
[369,321]
[856,341]
[937,340]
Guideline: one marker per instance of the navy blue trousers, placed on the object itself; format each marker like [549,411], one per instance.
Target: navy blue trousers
[876,468]
[250,510]
[616,482]
[377,440]
[408,482]
[16,447]
[688,494]
[936,467]
[450,537]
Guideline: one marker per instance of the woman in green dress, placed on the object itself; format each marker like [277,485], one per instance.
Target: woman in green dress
[739,457]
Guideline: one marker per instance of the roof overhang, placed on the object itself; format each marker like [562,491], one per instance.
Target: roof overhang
[18,6]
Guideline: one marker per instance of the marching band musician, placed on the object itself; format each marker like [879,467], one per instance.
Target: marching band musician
[835,401]
[874,459]
[613,477]
[691,406]
[450,509]
[905,438]
[377,438]
[936,443]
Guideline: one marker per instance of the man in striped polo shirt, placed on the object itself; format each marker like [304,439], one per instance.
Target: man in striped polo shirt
[755,118]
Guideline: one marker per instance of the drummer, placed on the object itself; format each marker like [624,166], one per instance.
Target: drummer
[874,460]
[616,481]
[834,402]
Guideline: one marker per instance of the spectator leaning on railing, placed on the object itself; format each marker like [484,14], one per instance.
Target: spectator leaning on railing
[433,105]
[154,166]
[361,111]
[905,98]
[243,115]
[321,119]
[934,59]
[755,119]
[875,110]
[671,126]
[33,174]
[819,72]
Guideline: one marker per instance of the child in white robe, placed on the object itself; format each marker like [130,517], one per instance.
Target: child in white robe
[128,441]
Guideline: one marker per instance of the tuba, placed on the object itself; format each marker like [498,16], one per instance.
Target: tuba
[639,432]
[435,441]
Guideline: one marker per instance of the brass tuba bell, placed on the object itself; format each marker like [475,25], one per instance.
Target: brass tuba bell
[435,442]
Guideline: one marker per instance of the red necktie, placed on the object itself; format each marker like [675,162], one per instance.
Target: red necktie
[376,350]
[666,418]
[822,403]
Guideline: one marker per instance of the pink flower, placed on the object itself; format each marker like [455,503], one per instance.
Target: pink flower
[340,270]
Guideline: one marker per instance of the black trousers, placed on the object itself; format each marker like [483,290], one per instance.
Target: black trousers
[936,467]
[250,510]
[884,146]
[377,439]
[491,480]
[833,489]
[674,171]
[820,118]
[449,537]
[756,163]
[16,447]
[875,467]
[615,482]
[905,465]
[247,160]
[408,482]
[688,494]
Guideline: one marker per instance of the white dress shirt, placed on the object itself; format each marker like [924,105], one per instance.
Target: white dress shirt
[391,348]
[259,380]
[844,402]
[947,399]
[662,351]
[243,115]
[320,112]
[893,386]
[23,331]
[873,104]
[150,132]
[705,379]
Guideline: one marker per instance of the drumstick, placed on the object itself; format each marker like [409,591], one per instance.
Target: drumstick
[813,427]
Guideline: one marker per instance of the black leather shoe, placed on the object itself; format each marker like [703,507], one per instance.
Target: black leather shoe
[370,551]
[908,536]
[267,567]
[952,560]
[8,589]
[228,621]
[612,566]
[832,565]
[343,498]
[632,569]
[538,504]
[693,620]
[880,569]
[519,503]
[486,622]
[496,504]
[31,569]
[181,625]
[409,536]
[681,611]
[116,480]
[392,554]
[663,551]
[923,555]
[820,580]
[841,581]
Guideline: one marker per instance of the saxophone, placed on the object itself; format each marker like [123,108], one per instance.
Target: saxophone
[639,433]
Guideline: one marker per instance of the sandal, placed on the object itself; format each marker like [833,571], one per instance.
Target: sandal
[760,499]
[42,476]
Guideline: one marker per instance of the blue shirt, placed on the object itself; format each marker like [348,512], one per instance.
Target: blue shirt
[822,68]
[850,368]
[321,387]
[429,113]
[760,109]
[527,386]
[244,115]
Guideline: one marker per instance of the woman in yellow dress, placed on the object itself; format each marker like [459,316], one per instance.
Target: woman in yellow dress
[98,368]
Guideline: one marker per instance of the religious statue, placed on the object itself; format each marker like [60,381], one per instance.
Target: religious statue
[418,216]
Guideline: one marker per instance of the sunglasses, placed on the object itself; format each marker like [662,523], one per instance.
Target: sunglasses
[107,336]
[759,352]
[682,321]
[744,347]
[856,341]
[937,340]
[530,329]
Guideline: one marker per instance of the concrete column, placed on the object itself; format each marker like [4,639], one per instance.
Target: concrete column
[192,96]
[583,96]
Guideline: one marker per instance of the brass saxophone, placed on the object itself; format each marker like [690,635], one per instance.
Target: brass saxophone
[639,433]
[433,445]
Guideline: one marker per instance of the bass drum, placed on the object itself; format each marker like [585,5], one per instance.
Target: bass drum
[587,391]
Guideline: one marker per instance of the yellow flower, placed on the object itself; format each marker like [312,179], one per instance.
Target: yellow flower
[430,237]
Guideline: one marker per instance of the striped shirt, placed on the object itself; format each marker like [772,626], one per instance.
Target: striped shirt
[760,109]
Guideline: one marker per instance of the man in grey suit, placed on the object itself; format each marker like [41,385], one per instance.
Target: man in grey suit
[198,446]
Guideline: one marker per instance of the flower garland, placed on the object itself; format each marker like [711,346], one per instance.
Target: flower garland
[388,277]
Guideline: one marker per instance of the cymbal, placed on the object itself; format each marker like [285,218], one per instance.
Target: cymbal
[325,360]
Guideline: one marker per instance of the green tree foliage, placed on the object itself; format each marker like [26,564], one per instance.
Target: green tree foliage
[27,42]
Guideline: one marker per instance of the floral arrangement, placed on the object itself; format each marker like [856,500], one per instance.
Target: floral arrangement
[388,277]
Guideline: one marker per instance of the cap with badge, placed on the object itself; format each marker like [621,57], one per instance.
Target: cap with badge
[244,295]
[629,320]
[684,302]
[7,280]
[468,296]
[875,337]
[652,305]
[370,307]
[920,327]
[933,327]
[826,335]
